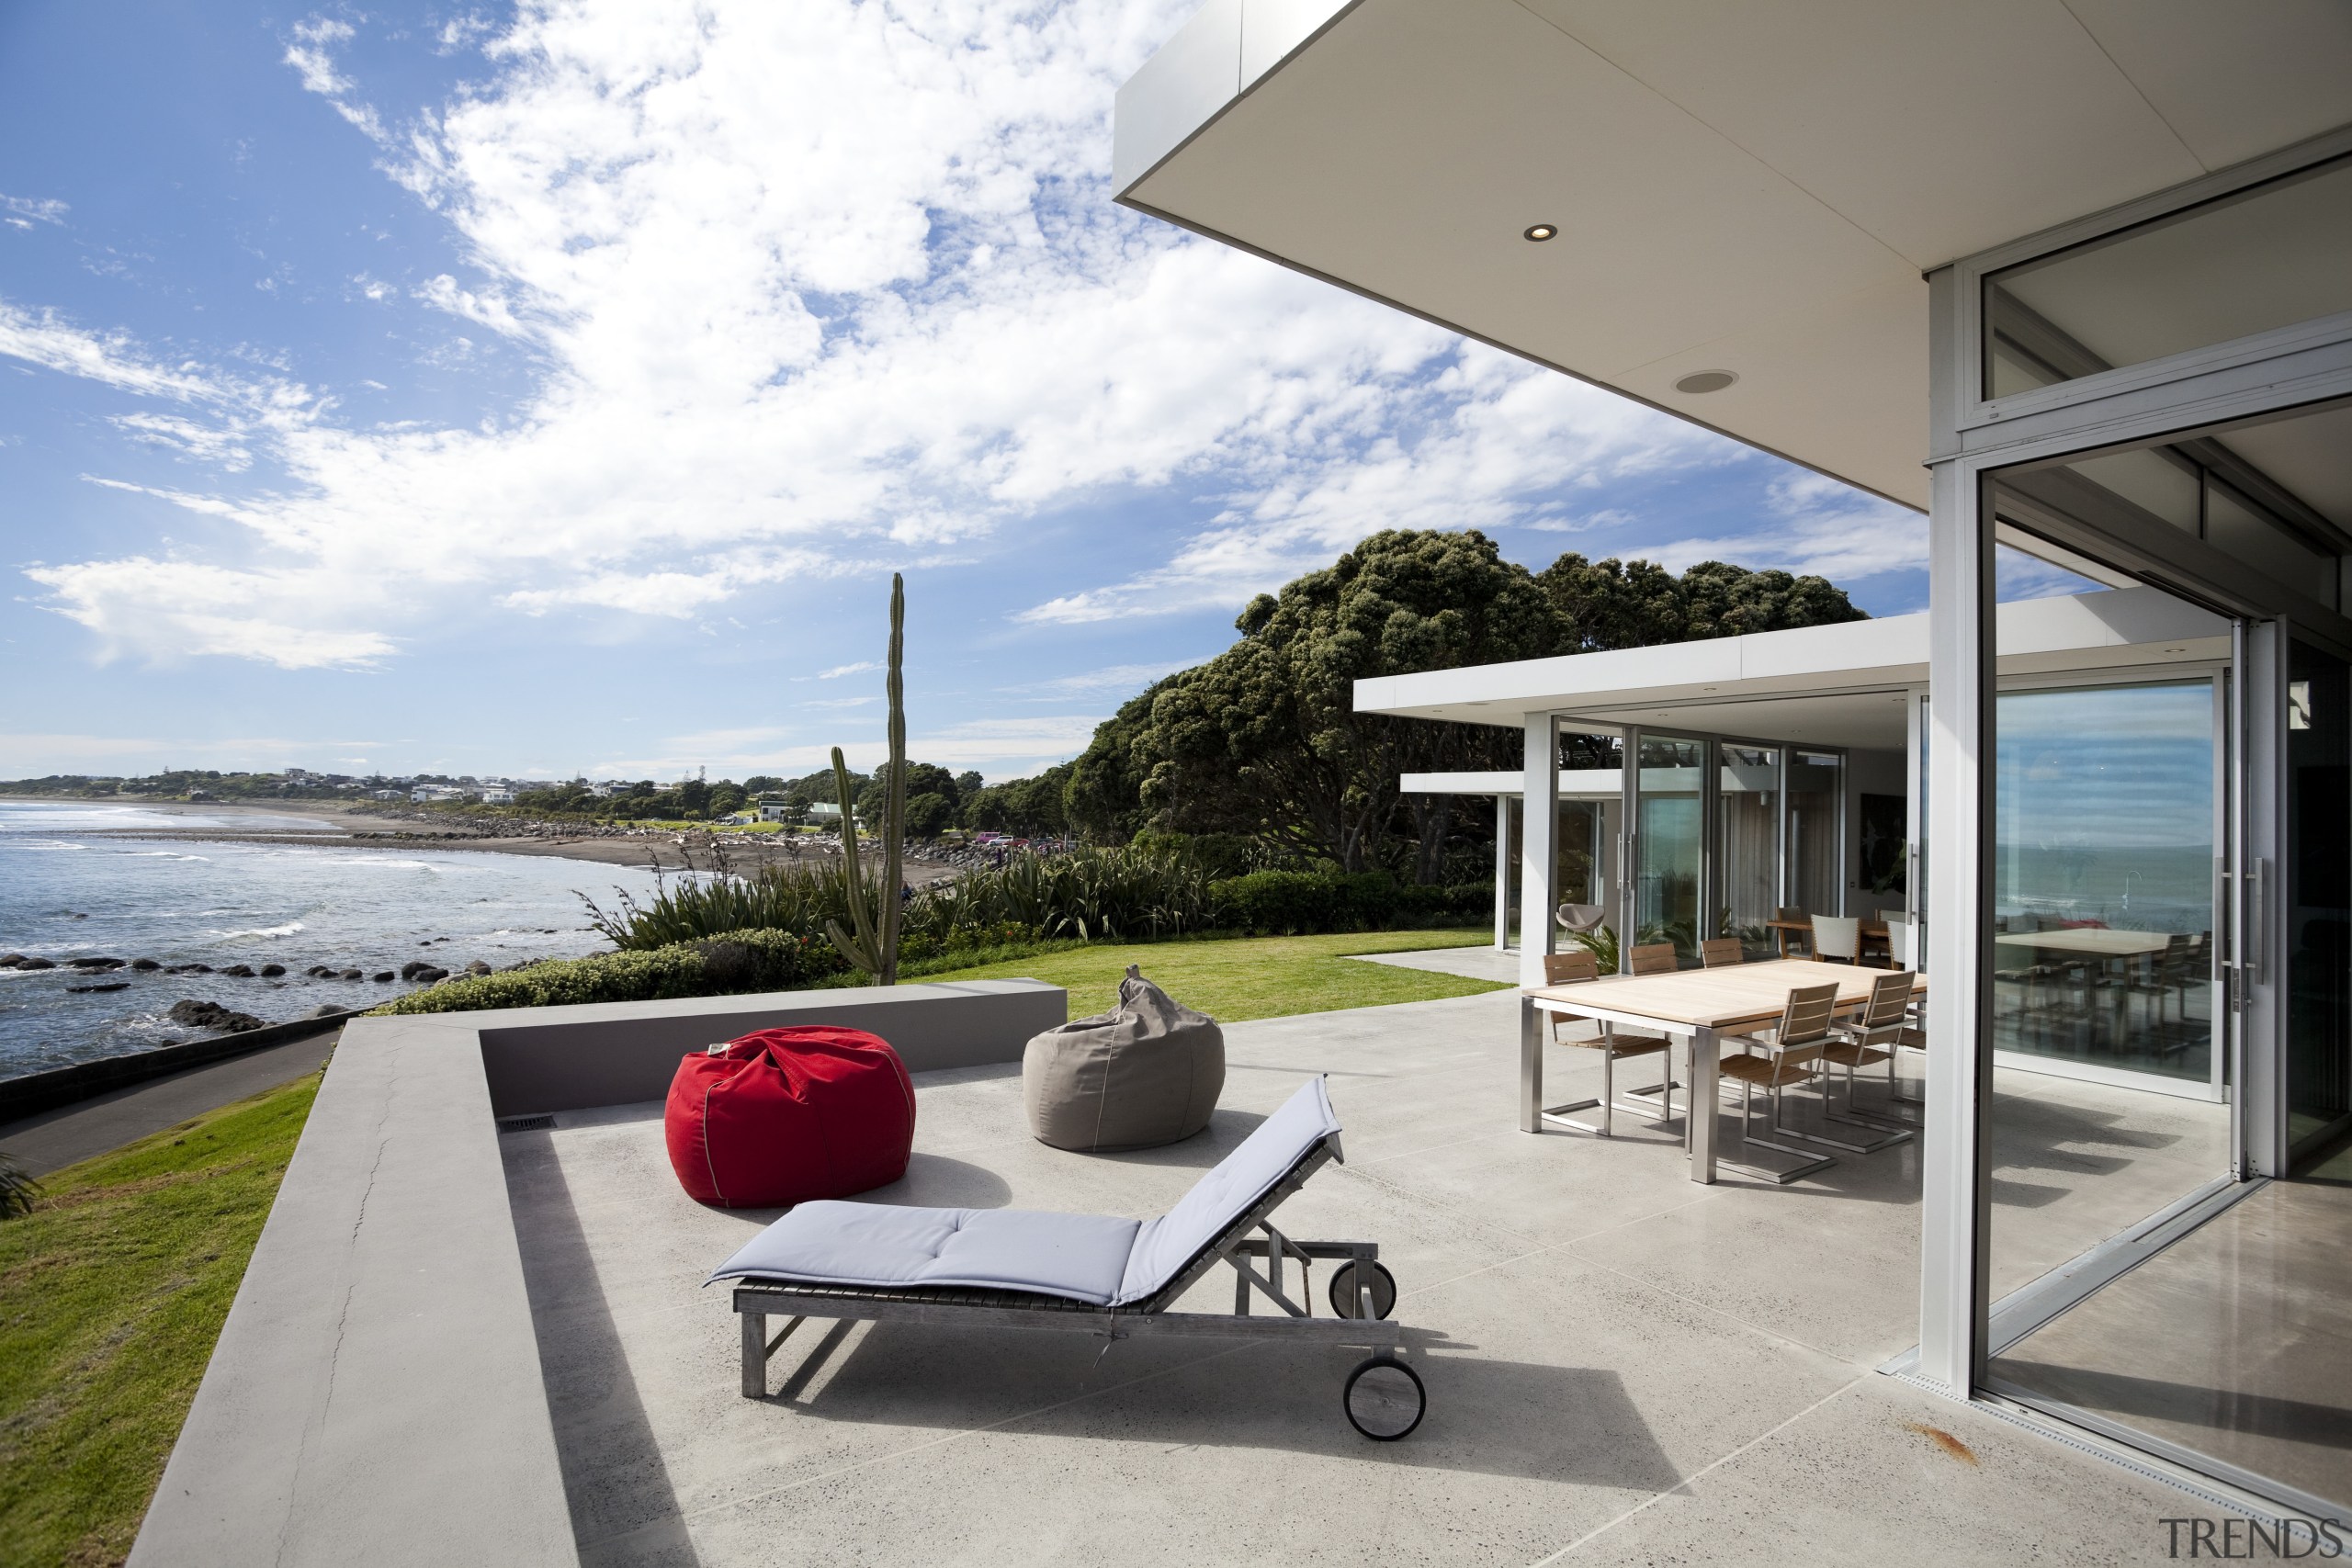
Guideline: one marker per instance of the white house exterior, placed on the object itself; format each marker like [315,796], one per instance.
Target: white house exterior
[2072,277]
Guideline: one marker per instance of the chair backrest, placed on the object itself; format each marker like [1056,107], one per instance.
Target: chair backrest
[1804,1022]
[1836,936]
[1789,912]
[1568,968]
[1717,951]
[1890,999]
[1581,917]
[1653,958]
[1899,940]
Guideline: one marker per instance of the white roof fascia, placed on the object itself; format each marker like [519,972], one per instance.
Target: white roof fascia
[2090,631]
[1575,782]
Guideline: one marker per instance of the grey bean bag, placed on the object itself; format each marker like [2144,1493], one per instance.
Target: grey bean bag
[1146,1073]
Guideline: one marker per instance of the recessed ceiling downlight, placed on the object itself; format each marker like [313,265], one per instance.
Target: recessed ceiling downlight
[1539,233]
[1705,382]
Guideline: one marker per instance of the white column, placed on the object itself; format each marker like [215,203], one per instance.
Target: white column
[1502,871]
[1960,812]
[1539,826]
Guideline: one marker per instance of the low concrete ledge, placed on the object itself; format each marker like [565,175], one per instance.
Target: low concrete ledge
[376,1395]
[619,1054]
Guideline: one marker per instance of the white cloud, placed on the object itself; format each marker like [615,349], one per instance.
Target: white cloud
[1127,679]
[1825,529]
[838,670]
[24,211]
[817,289]
[312,56]
[205,443]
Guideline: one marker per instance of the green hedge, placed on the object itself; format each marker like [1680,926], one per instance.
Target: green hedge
[715,967]
[1302,903]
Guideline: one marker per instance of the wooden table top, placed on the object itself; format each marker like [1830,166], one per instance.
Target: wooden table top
[1733,996]
[2094,942]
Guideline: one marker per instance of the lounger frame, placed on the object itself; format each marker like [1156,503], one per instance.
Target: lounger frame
[758,1300]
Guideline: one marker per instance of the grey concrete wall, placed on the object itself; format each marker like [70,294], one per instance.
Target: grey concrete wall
[617,1053]
[376,1395]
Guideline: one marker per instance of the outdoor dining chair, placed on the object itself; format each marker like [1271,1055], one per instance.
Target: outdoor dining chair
[1790,1053]
[1579,919]
[1837,939]
[1718,951]
[1576,968]
[1876,1035]
[1799,940]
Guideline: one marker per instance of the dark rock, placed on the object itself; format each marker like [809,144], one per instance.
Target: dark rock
[271,971]
[242,971]
[431,973]
[383,975]
[412,968]
[351,974]
[35,963]
[111,986]
[190,969]
[10,960]
[319,972]
[212,1015]
[327,1010]
[95,962]
[146,966]
[477,967]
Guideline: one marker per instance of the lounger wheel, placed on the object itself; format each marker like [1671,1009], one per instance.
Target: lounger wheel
[1384,1399]
[1343,1291]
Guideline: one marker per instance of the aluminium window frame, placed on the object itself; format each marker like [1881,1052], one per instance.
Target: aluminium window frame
[1971,440]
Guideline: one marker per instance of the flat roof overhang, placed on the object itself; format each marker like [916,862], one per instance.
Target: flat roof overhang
[1762,686]
[1752,188]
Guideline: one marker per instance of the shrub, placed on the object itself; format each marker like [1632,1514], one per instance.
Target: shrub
[1296,903]
[723,966]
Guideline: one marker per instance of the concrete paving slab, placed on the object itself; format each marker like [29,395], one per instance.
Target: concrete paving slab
[1615,1355]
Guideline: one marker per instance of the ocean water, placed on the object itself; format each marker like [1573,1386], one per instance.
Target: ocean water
[68,890]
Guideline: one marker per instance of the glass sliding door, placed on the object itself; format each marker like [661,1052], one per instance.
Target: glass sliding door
[2103,883]
[1669,843]
[1748,845]
[1817,843]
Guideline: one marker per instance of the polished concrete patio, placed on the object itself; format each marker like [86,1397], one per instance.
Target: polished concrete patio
[1622,1367]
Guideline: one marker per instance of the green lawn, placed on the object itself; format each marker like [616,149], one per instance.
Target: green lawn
[112,1291]
[1270,976]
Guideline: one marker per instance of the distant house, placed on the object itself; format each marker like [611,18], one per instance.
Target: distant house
[498,798]
[389,793]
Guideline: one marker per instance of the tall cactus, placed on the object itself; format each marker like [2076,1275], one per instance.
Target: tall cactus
[872,944]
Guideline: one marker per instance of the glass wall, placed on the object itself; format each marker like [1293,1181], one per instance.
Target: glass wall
[1580,877]
[1816,832]
[1668,828]
[2103,881]
[2268,256]
[1747,846]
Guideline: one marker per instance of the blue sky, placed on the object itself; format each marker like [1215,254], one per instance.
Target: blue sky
[553,390]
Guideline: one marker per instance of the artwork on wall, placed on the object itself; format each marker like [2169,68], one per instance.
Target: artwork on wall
[1884,819]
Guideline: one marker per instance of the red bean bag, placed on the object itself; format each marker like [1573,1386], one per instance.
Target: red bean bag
[784,1115]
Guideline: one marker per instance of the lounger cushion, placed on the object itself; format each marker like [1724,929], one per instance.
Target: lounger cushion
[1164,1245]
[1148,1072]
[1096,1259]
[1082,1257]
[784,1115]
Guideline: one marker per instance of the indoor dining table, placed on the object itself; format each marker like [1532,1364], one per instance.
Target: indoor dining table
[1698,1006]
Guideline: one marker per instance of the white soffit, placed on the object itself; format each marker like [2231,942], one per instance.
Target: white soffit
[2123,628]
[1756,188]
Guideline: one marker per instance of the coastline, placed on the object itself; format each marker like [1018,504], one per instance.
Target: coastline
[667,849]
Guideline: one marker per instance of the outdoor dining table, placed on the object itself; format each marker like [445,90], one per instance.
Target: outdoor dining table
[2102,946]
[1699,1006]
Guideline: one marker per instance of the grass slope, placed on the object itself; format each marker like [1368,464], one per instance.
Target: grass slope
[112,1293]
[1257,977]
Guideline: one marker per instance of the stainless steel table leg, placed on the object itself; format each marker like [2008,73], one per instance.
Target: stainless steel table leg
[1704,1062]
[1531,1066]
